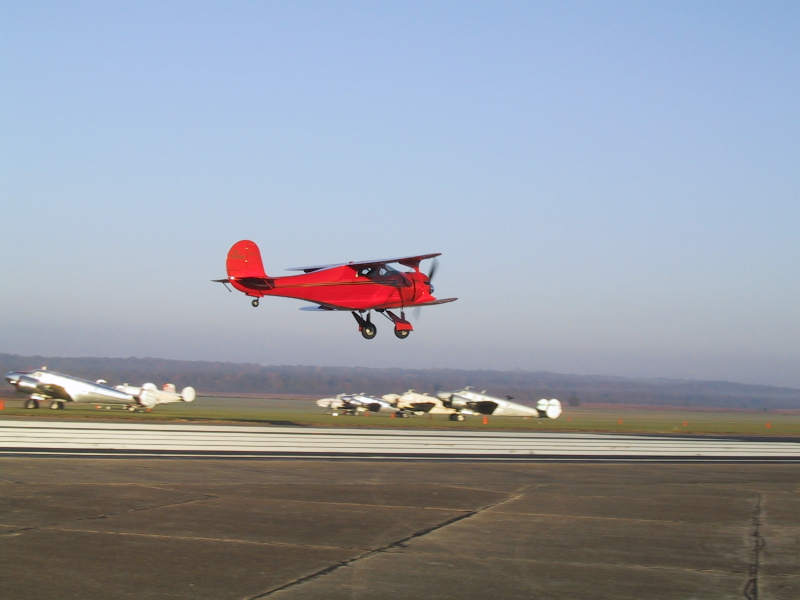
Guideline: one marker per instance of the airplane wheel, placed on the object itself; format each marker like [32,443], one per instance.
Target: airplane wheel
[402,415]
[457,417]
[56,405]
[254,302]
[401,333]
[31,403]
[132,408]
[369,331]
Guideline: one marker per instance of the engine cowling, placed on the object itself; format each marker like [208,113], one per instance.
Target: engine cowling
[457,402]
[329,403]
[26,384]
[148,397]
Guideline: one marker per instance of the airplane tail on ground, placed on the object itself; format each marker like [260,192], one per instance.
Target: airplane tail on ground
[244,261]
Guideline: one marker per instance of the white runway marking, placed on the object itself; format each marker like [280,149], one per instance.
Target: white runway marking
[60,438]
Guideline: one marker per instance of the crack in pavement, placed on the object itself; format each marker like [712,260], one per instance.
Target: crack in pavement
[21,530]
[401,543]
[144,508]
[195,538]
[750,590]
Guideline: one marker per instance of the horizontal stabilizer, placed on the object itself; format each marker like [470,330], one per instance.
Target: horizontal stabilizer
[224,282]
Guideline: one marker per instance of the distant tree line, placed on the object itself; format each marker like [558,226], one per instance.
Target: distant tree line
[523,386]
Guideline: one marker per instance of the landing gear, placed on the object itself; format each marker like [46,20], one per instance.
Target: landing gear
[401,327]
[457,417]
[254,302]
[56,405]
[365,326]
[31,403]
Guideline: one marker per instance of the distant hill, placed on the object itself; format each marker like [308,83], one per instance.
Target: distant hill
[524,386]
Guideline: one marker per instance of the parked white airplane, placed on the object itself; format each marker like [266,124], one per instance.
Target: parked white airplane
[149,395]
[415,403]
[354,404]
[43,385]
[468,401]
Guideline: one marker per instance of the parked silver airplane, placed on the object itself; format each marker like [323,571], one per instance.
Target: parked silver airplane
[354,404]
[42,385]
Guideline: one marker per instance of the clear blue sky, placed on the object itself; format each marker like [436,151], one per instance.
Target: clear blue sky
[614,186]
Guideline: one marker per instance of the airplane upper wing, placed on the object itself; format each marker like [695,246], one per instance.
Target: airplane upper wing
[407,261]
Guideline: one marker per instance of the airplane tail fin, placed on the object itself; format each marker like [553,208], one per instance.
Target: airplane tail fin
[244,261]
[188,394]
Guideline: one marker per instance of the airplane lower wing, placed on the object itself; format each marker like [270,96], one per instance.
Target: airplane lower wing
[327,307]
[442,301]
[53,391]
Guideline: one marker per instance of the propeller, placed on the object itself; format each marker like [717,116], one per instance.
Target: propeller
[431,273]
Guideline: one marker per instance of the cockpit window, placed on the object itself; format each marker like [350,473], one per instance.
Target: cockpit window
[376,272]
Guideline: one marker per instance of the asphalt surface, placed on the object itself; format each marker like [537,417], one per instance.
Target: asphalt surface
[244,529]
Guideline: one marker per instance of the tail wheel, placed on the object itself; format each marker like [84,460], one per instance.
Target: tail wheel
[369,331]
[254,302]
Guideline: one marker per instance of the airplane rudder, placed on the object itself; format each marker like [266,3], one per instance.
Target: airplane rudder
[244,260]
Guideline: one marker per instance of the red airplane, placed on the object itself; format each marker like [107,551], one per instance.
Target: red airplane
[359,287]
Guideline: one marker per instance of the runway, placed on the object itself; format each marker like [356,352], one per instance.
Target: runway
[187,529]
[50,438]
[365,513]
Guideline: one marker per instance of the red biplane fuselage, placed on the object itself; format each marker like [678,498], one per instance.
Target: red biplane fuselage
[359,287]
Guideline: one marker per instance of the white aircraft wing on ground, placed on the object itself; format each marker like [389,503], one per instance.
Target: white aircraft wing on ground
[353,404]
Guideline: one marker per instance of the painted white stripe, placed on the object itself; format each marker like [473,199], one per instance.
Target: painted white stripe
[44,435]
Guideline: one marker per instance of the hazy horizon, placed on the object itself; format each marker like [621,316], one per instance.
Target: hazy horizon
[610,376]
[613,186]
